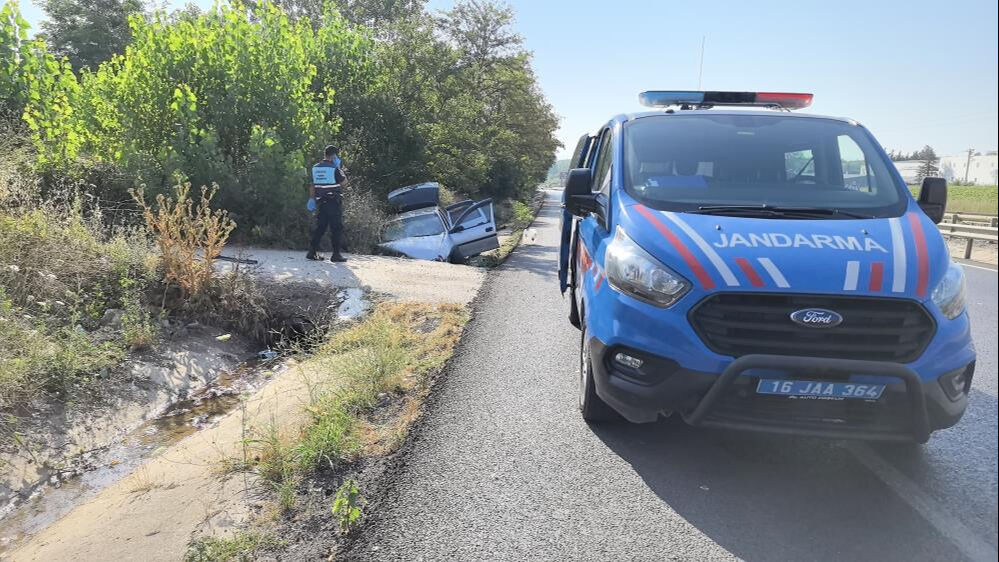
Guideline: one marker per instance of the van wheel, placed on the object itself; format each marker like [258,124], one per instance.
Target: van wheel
[591,406]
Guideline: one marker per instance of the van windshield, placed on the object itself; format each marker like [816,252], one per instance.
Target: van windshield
[715,163]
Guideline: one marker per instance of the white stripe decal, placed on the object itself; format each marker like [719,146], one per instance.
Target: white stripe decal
[898,256]
[775,273]
[852,273]
[713,256]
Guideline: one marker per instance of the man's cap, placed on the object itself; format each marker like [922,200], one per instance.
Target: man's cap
[331,149]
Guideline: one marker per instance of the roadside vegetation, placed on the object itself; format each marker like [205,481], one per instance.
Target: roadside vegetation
[107,150]
[972,199]
[244,96]
[368,383]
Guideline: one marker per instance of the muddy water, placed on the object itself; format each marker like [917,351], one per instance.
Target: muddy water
[59,496]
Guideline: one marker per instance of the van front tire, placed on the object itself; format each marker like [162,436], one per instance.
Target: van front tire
[591,406]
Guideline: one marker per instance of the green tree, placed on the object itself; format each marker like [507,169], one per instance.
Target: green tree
[88,32]
[928,163]
[369,13]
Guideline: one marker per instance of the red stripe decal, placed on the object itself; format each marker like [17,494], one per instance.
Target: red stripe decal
[922,260]
[584,258]
[600,281]
[688,257]
[750,273]
[877,276]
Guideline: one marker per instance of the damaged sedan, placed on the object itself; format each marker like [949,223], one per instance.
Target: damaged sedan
[424,230]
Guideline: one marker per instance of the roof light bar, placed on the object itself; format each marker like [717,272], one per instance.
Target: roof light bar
[782,100]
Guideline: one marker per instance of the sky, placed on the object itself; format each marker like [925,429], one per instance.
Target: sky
[913,72]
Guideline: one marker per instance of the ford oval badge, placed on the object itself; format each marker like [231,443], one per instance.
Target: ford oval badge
[816,318]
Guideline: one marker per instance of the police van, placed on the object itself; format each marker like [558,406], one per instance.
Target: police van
[743,266]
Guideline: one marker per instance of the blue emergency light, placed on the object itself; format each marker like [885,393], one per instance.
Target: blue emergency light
[782,100]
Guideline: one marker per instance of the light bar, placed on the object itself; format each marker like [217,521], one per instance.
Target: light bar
[765,99]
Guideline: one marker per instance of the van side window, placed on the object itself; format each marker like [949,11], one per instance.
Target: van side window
[602,174]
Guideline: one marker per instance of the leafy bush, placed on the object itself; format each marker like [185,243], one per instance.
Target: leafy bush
[363,218]
[347,506]
[189,237]
[231,97]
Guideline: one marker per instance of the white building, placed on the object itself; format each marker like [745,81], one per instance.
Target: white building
[909,170]
[979,169]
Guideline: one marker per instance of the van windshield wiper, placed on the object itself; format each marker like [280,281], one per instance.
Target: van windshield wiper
[764,209]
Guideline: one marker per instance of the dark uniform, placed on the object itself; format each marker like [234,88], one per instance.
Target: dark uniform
[327,178]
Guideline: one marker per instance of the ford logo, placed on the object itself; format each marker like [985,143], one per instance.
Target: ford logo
[816,318]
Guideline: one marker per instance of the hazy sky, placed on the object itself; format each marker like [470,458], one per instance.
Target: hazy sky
[913,72]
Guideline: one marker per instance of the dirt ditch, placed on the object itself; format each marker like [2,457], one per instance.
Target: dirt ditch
[62,456]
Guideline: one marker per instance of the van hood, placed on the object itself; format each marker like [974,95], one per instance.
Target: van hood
[894,257]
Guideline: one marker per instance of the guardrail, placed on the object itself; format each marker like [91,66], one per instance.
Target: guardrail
[956,225]
[959,218]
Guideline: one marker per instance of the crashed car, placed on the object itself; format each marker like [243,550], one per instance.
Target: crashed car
[426,231]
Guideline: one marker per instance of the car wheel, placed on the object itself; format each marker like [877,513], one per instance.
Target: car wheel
[591,406]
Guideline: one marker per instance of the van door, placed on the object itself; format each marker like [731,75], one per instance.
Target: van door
[473,231]
[579,160]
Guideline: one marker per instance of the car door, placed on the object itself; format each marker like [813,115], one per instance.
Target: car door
[473,231]
[579,160]
[454,211]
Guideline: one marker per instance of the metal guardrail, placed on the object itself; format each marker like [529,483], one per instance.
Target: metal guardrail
[970,228]
[964,218]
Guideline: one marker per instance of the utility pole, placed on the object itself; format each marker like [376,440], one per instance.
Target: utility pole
[967,166]
[700,67]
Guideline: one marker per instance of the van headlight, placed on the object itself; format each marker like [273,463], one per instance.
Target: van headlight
[949,292]
[634,272]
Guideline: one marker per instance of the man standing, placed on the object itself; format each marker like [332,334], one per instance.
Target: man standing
[326,192]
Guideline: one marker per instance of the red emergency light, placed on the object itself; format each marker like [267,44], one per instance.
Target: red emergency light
[782,100]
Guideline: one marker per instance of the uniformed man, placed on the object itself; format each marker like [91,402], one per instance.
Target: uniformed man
[327,199]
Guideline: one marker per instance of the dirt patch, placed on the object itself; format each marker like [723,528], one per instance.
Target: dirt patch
[151,506]
[981,251]
[48,443]
[397,279]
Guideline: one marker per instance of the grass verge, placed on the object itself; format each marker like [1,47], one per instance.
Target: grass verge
[973,199]
[368,382]
[238,547]
[522,215]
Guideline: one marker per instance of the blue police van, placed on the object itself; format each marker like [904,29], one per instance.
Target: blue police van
[743,266]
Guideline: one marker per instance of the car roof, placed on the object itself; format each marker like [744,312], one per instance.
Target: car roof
[625,117]
[416,212]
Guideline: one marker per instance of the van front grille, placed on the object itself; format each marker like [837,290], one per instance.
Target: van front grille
[876,329]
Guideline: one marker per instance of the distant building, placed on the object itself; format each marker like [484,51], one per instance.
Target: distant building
[981,169]
[909,170]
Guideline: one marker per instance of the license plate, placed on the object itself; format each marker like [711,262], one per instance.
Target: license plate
[820,389]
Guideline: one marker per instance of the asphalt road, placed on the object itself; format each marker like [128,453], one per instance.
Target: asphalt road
[504,468]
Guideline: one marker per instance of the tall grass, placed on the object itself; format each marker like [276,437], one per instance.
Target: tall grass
[389,354]
[61,270]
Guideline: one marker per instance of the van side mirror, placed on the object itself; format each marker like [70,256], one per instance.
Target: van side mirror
[579,198]
[933,198]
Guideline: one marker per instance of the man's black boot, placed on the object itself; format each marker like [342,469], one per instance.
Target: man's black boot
[337,258]
[313,256]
